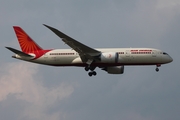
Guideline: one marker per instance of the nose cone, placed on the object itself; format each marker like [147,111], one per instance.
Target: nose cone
[170,59]
[166,58]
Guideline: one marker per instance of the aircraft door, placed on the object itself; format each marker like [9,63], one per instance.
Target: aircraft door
[128,56]
[45,57]
[127,53]
[154,53]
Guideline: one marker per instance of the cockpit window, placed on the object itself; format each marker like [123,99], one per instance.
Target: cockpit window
[165,53]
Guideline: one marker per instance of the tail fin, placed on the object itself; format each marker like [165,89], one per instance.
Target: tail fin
[26,43]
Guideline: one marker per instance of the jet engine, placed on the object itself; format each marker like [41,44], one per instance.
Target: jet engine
[114,69]
[109,57]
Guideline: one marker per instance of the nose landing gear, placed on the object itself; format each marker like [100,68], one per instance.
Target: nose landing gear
[157,69]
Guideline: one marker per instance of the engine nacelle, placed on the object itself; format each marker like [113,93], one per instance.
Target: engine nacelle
[115,70]
[109,57]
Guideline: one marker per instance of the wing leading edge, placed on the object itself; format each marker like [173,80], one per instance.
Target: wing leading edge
[86,53]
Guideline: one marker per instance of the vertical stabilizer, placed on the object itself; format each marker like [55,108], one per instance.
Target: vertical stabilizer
[26,43]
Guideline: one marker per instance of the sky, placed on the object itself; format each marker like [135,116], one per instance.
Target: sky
[34,92]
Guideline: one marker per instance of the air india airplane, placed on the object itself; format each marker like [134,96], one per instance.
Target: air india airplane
[111,60]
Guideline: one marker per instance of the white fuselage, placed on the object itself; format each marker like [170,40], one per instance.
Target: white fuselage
[111,60]
[127,56]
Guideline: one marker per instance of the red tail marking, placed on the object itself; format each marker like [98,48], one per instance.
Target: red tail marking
[26,43]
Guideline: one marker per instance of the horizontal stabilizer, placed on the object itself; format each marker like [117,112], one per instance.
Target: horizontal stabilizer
[19,52]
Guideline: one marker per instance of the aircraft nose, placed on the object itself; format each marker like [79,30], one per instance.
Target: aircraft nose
[170,59]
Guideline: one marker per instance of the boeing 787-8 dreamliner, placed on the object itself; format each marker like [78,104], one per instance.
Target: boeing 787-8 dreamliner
[112,60]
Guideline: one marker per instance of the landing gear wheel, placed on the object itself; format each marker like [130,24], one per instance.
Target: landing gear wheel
[157,69]
[92,73]
[86,68]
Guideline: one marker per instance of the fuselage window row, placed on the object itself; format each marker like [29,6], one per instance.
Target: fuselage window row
[61,53]
[140,52]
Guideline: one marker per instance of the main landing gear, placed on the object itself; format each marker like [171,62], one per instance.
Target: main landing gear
[92,72]
[157,69]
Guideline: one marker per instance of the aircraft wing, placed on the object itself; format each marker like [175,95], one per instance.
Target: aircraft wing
[86,53]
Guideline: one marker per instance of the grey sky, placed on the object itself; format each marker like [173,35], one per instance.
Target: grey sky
[32,92]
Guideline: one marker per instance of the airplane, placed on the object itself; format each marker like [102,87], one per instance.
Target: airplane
[111,60]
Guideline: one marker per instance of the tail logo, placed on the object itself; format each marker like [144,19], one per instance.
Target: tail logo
[26,43]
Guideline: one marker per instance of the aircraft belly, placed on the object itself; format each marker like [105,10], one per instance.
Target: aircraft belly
[56,60]
[61,60]
[140,59]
